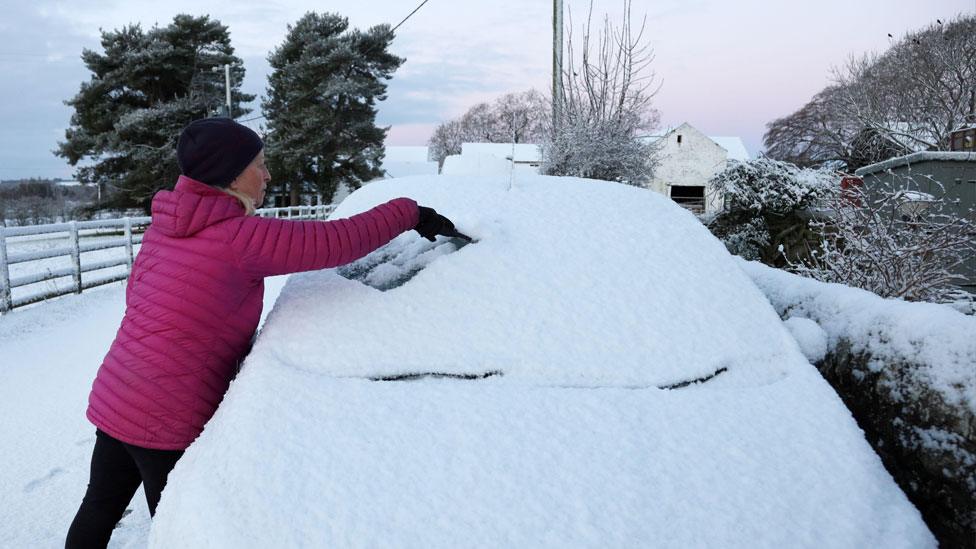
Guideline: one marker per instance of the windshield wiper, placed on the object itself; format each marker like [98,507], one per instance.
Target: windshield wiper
[437,375]
[681,384]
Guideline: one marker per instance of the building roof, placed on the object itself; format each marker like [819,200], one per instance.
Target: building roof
[404,169]
[732,144]
[915,158]
[524,152]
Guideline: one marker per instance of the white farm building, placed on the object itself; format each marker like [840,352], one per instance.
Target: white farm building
[688,160]
[401,161]
[494,159]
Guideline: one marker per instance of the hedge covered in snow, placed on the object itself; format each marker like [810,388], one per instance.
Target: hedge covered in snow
[907,371]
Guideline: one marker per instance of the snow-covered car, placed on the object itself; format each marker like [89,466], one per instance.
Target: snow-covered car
[594,371]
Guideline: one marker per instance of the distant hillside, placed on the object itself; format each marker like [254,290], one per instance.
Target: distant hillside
[15,182]
[35,200]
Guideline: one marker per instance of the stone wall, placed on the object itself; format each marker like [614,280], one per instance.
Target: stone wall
[928,445]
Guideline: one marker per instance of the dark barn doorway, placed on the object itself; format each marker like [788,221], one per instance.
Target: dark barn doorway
[691,197]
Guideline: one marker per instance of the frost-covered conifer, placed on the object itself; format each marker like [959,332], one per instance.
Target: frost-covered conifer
[144,88]
[321,104]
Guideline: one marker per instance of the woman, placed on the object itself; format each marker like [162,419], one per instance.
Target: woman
[193,302]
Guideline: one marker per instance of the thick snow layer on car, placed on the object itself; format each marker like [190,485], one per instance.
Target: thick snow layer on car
[571,282]
[581,299]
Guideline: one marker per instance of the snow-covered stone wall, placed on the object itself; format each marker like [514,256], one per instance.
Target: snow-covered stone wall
[907,371]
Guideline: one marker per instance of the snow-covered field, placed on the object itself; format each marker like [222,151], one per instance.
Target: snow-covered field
[49,353]
[38,243]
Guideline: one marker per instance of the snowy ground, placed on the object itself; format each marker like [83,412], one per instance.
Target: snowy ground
[49,353]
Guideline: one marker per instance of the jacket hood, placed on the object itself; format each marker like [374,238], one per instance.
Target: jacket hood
[191,207]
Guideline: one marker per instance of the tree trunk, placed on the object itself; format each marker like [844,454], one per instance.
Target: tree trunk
[294,198]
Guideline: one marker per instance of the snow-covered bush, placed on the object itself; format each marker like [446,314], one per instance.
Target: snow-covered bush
[768,205]
[893,242]
[583,146]
[603,105]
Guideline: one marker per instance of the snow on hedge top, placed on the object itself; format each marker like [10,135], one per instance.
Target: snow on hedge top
[939,341]
[571,282]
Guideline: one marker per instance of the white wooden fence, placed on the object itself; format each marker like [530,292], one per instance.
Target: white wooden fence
[130,228]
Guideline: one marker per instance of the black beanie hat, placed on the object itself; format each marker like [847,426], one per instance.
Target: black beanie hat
[216,150]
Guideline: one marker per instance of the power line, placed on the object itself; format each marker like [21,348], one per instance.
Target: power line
[415,10]
[409,16]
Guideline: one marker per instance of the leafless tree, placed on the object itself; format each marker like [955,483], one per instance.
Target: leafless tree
[906,99]
[893,242]
[520,116]
[815,135]
[446,140]
[512,118]
[607,91]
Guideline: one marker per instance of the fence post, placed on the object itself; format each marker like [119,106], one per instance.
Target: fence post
[76,256]
[6,302]
[128,244]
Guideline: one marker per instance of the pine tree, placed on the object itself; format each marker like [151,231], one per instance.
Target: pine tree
[145,87]
[321,104]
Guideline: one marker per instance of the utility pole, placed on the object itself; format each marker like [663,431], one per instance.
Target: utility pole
[557,60]
[511,174]
[226,109]
[230,114]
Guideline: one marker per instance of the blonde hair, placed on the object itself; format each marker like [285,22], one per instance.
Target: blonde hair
[245,201]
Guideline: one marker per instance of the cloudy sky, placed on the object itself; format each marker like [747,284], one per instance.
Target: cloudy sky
[726,66]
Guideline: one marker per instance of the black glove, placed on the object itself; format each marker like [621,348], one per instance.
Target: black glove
[432,224]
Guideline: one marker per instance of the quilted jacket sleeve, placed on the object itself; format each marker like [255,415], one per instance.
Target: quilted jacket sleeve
[268,247]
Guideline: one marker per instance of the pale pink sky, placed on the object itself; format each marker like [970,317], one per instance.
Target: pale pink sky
[727,67]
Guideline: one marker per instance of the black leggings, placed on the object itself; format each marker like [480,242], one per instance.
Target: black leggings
[117,469]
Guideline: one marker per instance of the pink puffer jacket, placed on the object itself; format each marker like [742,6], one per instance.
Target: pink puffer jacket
[194,299]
